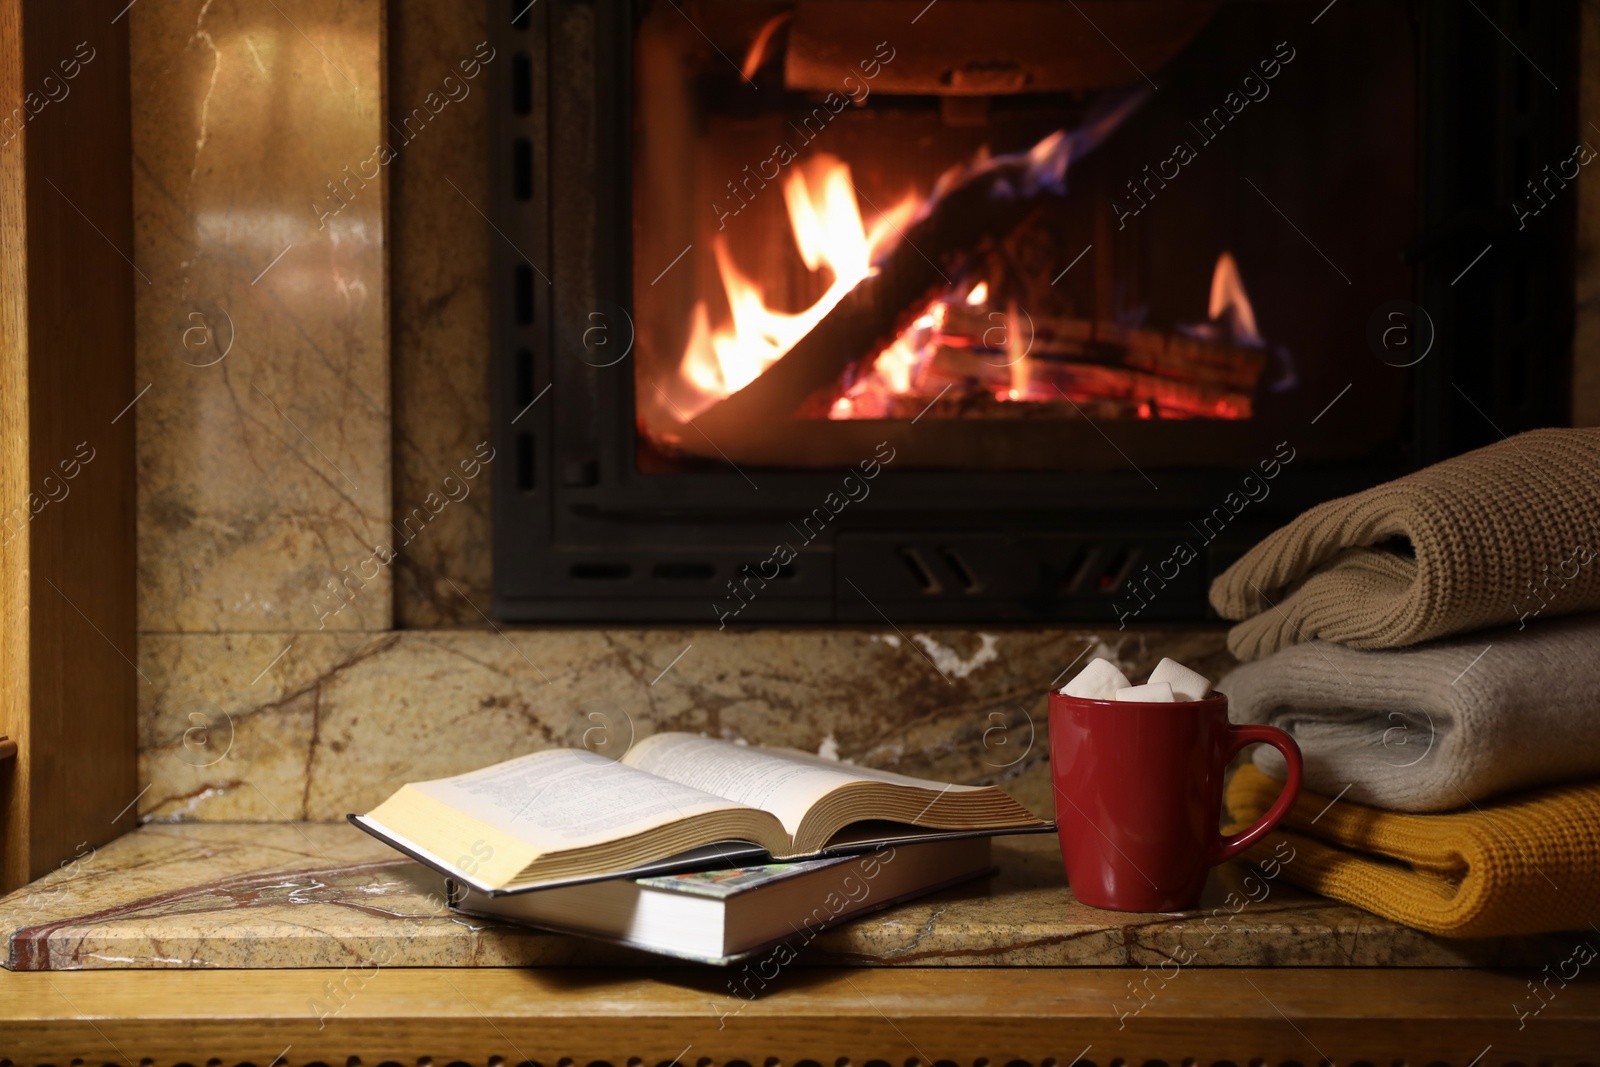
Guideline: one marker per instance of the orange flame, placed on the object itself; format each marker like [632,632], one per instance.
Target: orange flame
[1228,299]
[829,232]
[1017,353]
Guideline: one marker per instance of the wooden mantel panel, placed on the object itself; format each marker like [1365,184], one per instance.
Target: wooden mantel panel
[67,675]
[290,1018]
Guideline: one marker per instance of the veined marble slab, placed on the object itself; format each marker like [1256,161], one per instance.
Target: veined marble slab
[323,895]
[262,321]
[278,727]
[439,295]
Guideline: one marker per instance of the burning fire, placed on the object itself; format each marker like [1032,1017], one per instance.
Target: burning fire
[829,232]
[979,346]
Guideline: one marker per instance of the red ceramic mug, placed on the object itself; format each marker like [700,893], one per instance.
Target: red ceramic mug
[1138,790]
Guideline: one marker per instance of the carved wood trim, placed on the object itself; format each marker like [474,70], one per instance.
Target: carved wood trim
[890,1017]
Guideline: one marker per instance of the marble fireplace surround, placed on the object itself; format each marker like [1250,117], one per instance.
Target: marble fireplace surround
[243,860]
[312,343]
[314,339]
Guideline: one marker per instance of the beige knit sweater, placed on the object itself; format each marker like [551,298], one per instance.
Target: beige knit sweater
[1436,727]
[1505,534]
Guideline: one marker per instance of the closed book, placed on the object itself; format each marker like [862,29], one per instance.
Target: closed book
[724,916]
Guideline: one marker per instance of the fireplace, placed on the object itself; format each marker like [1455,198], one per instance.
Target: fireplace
[1000,310]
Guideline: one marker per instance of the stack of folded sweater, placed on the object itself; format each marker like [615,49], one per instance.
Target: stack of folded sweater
[1433,645]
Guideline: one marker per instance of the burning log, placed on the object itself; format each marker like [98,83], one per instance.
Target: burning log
[1182,357]
[933,249]
[967,214]
[1101,390]
[1152,395]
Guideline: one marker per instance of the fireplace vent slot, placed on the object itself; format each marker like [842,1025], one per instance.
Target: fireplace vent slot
[969,581]
[524,378]
[521,84]
[524,293]
[522,168]
[684,572]
[600,572]
[785,571]
[525,479]
[920,571]
[1076,571]
[1115,574]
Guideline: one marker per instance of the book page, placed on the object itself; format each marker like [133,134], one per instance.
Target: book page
[565,798]
[783,782]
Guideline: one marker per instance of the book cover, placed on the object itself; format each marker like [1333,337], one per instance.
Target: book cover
[725,883]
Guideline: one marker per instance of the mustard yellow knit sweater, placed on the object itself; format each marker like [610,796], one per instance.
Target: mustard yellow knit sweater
[1526,864]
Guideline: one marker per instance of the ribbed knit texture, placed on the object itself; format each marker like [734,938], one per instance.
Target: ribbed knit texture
[1527,864]
[1437,726]
[1485,531]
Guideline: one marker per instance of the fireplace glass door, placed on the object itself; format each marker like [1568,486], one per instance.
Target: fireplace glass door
[1023,226]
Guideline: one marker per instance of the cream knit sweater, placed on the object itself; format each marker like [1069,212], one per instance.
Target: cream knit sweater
[1504,534]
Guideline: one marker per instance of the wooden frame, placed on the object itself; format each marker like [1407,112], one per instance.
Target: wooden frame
[917,1016]
[67,610]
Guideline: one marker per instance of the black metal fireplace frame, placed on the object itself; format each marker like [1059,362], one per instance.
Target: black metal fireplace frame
[581,535]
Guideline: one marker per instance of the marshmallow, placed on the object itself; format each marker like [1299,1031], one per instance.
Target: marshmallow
[1100,680]
[1186,684]
[1149,693]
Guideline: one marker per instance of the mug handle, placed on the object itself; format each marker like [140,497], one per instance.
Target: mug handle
[1239,737]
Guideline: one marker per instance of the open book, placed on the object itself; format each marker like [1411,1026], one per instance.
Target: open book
[675,801]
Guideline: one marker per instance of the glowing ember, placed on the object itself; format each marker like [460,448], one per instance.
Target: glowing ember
[829,232]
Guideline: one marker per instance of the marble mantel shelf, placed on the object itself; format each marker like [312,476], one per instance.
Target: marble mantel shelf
[300,895]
